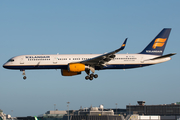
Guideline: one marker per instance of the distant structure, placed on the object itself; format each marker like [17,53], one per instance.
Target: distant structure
[132,112]
[94,111]
[55,114]
[4,116]
[1,114]
[162,110]
[91,113]
[141,103]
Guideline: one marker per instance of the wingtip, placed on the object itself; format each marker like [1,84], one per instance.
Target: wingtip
[125,41]
[124,44]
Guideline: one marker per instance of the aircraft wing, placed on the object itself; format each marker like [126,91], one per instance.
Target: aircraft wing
[102,59]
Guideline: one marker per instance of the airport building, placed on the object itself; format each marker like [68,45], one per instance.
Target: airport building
[162,110]
[132,112]
[5,116]
[91,113]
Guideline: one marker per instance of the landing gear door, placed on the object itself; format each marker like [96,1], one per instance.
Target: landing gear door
[22,61]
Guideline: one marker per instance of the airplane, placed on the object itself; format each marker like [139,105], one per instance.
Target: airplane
[74,64]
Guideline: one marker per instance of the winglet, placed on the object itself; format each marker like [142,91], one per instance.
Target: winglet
[122,46]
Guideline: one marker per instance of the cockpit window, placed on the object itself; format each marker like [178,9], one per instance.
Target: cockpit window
[11,60]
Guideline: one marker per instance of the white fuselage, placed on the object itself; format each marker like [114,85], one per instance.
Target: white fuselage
[121,61]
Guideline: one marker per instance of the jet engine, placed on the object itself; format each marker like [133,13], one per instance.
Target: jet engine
[76,67]
[69,73]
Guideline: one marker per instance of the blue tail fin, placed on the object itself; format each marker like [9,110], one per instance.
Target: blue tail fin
[157,45]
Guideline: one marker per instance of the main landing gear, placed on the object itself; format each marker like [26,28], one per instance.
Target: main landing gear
[91,76]
[24,74]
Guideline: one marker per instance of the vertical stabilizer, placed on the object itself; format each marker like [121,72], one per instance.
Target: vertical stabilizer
[157,45]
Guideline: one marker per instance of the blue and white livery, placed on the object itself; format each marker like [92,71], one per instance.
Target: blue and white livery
[74,64]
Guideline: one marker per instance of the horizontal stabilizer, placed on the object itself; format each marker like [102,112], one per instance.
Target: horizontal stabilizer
[164,56]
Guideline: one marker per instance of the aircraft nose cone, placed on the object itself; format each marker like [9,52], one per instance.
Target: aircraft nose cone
[4,66]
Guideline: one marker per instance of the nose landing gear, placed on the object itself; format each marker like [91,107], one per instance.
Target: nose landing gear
[24,74]
[24,77]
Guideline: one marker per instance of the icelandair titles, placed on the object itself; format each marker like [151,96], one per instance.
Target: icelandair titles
[37,57]
[154,51]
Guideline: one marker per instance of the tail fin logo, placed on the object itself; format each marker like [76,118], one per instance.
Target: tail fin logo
[123,45]
[159,42]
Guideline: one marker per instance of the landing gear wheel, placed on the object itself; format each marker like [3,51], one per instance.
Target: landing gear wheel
[95,76]
[91,78]
[92,75]
[24,77]
[87,77]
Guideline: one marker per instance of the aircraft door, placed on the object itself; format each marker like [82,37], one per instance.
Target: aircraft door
[22,61]
[55,60]
[142,59]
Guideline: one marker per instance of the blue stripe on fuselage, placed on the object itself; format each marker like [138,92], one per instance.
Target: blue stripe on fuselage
[122,66]
[37,67]
[125,66]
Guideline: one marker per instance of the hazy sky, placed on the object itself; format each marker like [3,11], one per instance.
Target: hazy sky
[83,27]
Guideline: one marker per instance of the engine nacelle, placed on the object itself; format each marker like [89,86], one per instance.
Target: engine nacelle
[76,67]
[69,73]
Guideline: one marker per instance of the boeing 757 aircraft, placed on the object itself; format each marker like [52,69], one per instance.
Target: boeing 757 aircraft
[71,65]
